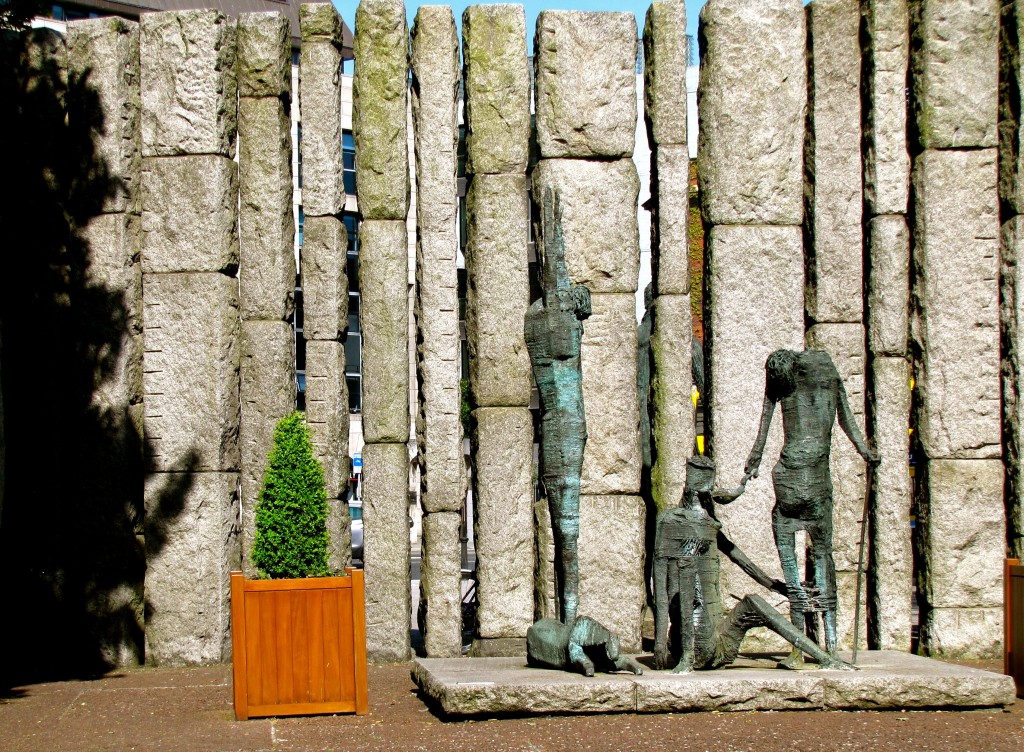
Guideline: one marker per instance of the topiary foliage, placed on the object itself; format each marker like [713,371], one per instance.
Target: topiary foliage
[291,512]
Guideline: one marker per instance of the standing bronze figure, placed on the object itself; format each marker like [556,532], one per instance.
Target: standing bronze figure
[554,335]
[812,395]
[686,584]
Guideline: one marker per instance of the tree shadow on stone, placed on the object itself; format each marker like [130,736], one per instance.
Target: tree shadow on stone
[72,543]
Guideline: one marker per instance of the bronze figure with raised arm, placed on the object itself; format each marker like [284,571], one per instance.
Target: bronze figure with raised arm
[811,392]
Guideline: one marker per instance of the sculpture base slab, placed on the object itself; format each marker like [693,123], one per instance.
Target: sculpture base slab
[888,680]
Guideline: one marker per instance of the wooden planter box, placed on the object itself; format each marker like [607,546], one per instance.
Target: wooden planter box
[1013,623]
[299,646]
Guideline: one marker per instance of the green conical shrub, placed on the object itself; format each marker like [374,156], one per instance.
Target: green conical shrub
[291,513]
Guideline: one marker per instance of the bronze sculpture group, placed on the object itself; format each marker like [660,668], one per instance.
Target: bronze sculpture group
[688,538]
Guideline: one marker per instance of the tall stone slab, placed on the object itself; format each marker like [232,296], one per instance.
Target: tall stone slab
[670,219]
[384,323]
[888,285]
[323,189]
[189,88]
[961,549]
[890,569]
[585,73]
[267,388]
[1012,327]
[886,27]
[326,414]
[379,109]
[833,163]
[753,104]
[665,59]
[324,265]
[956,259]
[955,65]
[386,551]
[498,290]
[497,83]
[435,72]
[503,509]
[755,301]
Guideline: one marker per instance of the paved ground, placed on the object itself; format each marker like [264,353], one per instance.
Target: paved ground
[190,710]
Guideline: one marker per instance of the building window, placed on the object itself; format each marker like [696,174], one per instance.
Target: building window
[348,159]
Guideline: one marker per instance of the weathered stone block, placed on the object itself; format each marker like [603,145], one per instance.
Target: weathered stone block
[498,290]
[611,460]
[436,77]
[956,255]
[755,305]
[962,533]
[264,55]
[833,162]
[1012,327]
[672,421]
[497,81]
[327,411]
[665,59]
[955,61]
[888,285]
[845,344]
[963,632]
[598,202]
[104,52]
[611,553]
[113,241]
[890,573]
[266,225]
[339,528]
[189,214]
[324,264]
[379,109]
[1011,76]
[323,187]
[585,72]
[190,371]
[191,547]
[886,161]
[386,551]
[441,584]
[503,524]
[753,103]
[670,220]
[188,83]
[267,395]
[384,322]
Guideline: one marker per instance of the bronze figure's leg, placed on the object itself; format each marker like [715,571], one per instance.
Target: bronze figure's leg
[825,576]
[687,573]
[564,502]
[785,529]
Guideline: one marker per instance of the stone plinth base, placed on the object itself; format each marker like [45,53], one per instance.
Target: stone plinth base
[887,680]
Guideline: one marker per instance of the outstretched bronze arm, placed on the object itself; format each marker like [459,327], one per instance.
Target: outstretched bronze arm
[751,569]
[754,458]
[849,424]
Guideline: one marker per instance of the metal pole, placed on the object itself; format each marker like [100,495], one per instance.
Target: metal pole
[860,556]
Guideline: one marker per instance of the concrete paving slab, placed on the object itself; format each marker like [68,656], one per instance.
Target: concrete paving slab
[886,680]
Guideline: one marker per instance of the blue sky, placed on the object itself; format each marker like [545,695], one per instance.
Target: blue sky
[533,7]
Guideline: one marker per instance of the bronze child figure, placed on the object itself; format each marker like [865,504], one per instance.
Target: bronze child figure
[686,583]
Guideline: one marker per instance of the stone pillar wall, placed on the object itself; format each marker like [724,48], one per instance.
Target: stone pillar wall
[497,96]
[1011,183]
[266,257]
[380,127]
[323,263]
[191,332]
[586,124]
[752,93]
[833,294]
[435,70]
[671,410]
[885,25]
[959,500]
[104,54]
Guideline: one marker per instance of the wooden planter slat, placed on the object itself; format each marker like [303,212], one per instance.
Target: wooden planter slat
[300,646]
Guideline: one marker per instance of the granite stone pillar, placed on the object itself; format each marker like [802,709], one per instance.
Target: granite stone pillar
[191,332]
[380,127]
[497,96]
[323,264]
[435,71]
[885,27]
[586,124]
[672,417]
[104,53]
[266,257]
[752,94]
[959,503]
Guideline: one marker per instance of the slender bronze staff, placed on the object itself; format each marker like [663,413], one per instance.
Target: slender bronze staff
[860,556]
